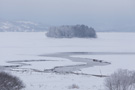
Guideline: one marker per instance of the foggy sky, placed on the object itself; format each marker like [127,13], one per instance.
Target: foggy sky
[100,14]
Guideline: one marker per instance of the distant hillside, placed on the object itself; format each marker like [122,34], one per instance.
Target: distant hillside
[28,26]
[21,26]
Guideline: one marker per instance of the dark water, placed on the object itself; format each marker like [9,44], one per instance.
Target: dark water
[86,62]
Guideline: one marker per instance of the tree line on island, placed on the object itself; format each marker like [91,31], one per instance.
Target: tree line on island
[70,31]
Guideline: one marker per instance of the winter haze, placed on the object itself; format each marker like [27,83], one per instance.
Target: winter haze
[103,15]
[67,45]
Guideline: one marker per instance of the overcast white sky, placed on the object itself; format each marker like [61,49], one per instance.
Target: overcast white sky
[101,14]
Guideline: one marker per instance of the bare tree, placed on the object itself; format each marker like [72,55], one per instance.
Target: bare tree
[121,80]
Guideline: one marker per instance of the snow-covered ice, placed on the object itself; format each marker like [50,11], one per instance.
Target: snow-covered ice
[29,46]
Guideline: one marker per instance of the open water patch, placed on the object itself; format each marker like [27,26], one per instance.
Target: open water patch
[17,65]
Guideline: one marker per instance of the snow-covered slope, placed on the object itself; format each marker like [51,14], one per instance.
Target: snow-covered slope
[21,26]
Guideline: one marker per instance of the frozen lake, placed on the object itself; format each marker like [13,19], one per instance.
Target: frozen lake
[117,48]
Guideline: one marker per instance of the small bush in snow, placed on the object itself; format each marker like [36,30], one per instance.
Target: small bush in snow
[121,80]
[9,82]
[73,86]
[80,31]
